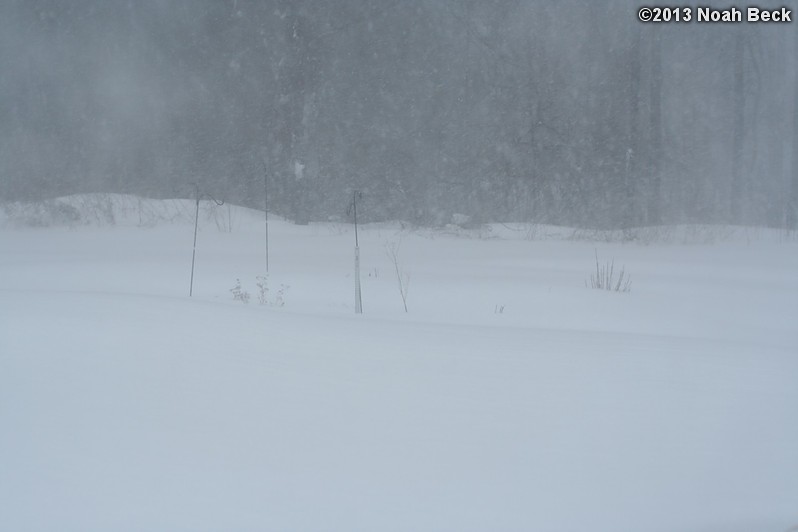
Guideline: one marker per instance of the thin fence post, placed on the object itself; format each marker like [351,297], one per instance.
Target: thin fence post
[266,212]
[196,225]
[194,251]
[358,297]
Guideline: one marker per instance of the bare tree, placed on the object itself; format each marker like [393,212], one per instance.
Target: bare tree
[738,133]
[792,207]
[655,123]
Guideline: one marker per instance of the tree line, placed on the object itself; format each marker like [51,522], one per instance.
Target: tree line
[569,112]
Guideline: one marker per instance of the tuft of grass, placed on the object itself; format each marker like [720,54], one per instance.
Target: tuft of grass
[605,278]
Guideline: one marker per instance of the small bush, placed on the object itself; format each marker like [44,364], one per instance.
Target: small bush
[263,289]
[264,297]
[279,300]
[239,294]
[47,213]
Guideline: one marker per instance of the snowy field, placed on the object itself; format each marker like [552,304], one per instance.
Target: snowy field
[510,397]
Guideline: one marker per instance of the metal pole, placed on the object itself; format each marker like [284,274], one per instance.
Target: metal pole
[354,207]
[194,252]
[196,224]
[266,213]
[358,298]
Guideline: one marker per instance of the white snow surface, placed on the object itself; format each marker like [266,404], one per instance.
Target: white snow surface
[509,398]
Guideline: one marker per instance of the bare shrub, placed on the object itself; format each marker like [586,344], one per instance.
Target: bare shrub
[41,214]
[239,294]
[262,282]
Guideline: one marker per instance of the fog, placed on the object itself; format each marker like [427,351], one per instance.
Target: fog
[570,112]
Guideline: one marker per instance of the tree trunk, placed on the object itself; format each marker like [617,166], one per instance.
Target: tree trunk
[655,123]
[792,206]
[738,134]
[633,142]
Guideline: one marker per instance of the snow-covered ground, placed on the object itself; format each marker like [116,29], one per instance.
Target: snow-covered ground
[509,397]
